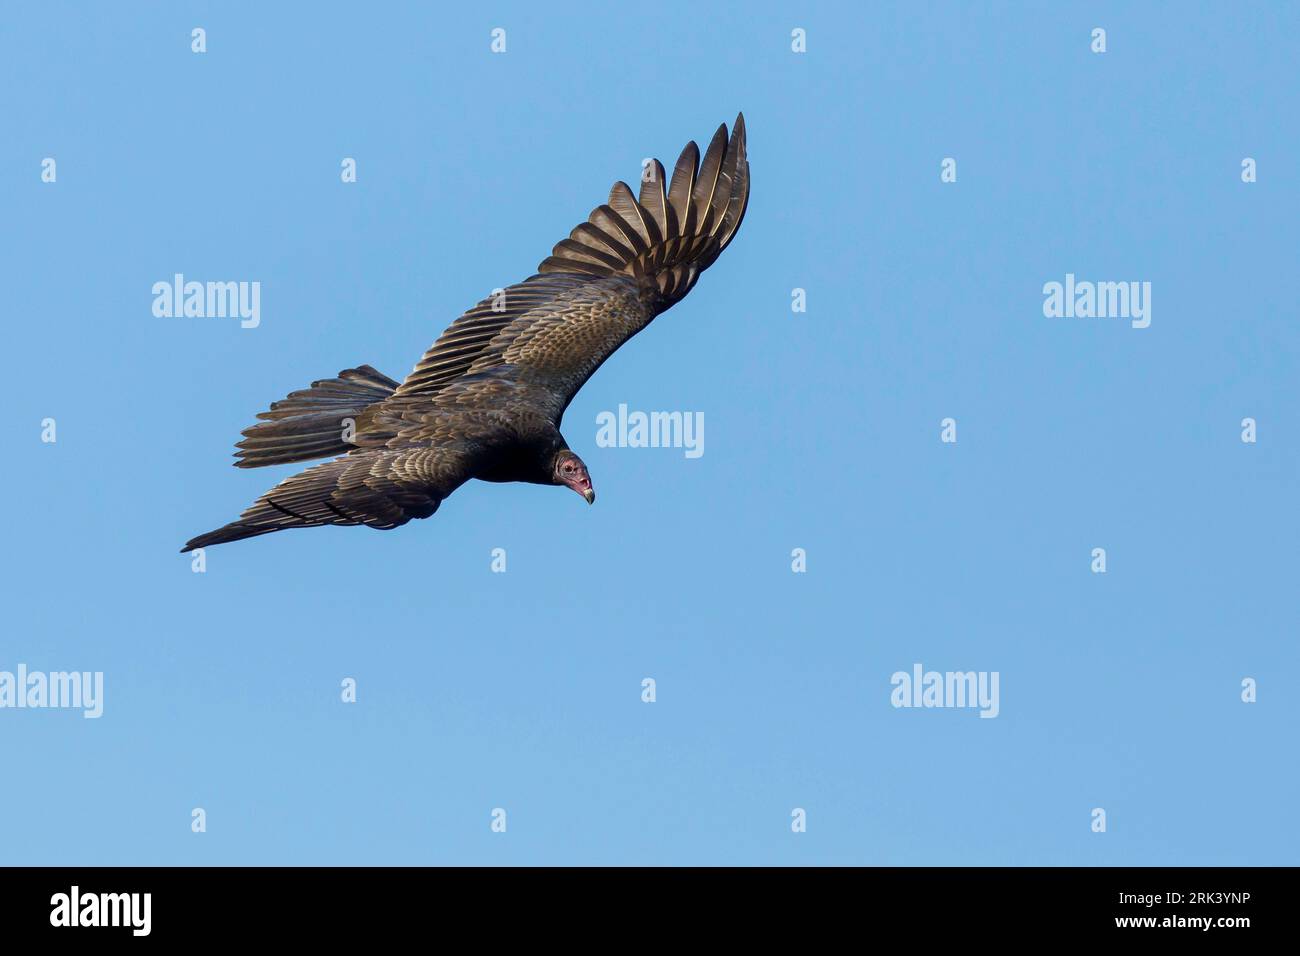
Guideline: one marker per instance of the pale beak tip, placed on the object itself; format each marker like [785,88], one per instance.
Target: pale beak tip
[590,495]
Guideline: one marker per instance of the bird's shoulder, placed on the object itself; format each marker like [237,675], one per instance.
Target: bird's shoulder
[498,406]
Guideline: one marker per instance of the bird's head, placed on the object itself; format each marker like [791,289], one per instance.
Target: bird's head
[569,470]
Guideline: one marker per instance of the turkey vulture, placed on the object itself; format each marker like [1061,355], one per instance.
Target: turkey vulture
[486,399]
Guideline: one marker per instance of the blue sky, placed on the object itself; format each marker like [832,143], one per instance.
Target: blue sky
[522,690]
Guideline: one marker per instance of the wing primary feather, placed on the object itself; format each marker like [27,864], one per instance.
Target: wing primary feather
[654,198]
[707,181]
[683,184]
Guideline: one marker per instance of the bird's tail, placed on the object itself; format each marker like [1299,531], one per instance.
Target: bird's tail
[675,230]
[313,422]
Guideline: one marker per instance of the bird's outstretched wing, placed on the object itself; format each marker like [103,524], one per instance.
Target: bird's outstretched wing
[631,260]
[379,488]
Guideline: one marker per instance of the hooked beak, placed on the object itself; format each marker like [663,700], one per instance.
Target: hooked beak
[590,494]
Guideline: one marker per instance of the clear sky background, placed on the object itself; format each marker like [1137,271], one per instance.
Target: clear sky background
[523,690]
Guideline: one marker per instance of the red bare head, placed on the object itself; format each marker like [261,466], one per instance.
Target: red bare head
[569,470]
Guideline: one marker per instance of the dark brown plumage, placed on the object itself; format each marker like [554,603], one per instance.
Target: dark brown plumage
[487,398]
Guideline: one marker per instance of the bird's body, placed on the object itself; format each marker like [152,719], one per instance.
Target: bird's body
[487,398]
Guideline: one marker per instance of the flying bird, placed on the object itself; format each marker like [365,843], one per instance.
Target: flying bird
[487,398]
